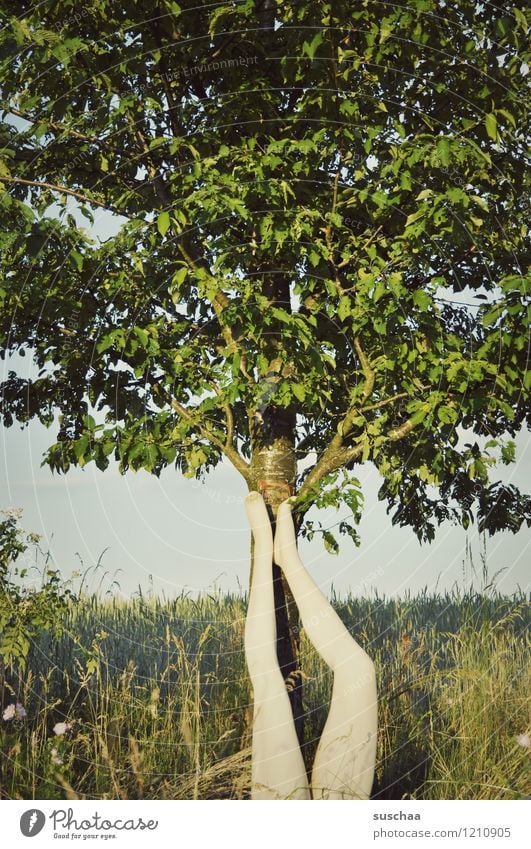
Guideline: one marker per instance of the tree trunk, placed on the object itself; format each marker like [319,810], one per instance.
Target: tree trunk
[273,473]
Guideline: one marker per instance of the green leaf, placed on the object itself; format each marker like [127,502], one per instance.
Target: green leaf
[142,335]
[508,452]
[414,216]
[299,391]
[345,306]
[78,259]
[380,291]
[81,445]
[481,202]
[151,455]
[180,276]
[443,151]
[405,181]
[310,47]
[420,414]
[491,126]
[421,299]
[330,542]
[447,415]
[163,222]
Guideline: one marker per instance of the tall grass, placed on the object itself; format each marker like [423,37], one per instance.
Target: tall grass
[158,700]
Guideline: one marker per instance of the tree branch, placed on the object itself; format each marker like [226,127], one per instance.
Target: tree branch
[399,432]
[227,449]
[366,244]
[101,144]
[177,130]
[451,267]
[62,128]
[154,175]
[63,190]
[330,461]
[329,228]
[229,443]
[386,401]
[219,302]
[368,371]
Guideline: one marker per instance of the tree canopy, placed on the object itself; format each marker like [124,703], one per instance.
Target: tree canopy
[324,218]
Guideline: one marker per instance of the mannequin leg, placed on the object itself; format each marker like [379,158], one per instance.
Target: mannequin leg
[278,770]
[345,758]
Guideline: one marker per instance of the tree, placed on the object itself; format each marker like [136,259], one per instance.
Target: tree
[322,256]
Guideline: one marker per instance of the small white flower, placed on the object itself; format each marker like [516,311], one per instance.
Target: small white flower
[61,728]
[9,712]
[20,711]
[56,758]
[524,740]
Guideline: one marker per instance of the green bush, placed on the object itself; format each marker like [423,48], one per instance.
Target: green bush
[25,611]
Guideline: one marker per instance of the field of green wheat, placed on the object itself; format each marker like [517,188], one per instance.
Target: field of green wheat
[149,698]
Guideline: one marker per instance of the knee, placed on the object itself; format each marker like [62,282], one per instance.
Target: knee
[261,660]
[358,673]
[267,685]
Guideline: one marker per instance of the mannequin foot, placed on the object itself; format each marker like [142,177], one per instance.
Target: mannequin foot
[284,532]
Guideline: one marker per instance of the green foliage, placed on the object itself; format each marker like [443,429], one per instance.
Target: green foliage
[338,200]
[26,612]
[334,490]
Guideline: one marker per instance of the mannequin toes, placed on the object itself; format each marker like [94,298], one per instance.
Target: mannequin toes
[253,497]
[288,503]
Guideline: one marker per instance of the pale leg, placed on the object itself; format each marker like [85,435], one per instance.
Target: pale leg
[278,770]
[346,755]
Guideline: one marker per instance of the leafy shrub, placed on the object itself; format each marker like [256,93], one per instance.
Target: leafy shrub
[26,611]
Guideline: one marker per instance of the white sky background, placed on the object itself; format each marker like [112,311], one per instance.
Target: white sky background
[194,537]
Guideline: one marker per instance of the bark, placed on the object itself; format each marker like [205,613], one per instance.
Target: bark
[273,473]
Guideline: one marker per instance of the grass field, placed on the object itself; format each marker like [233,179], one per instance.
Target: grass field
[155,698]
